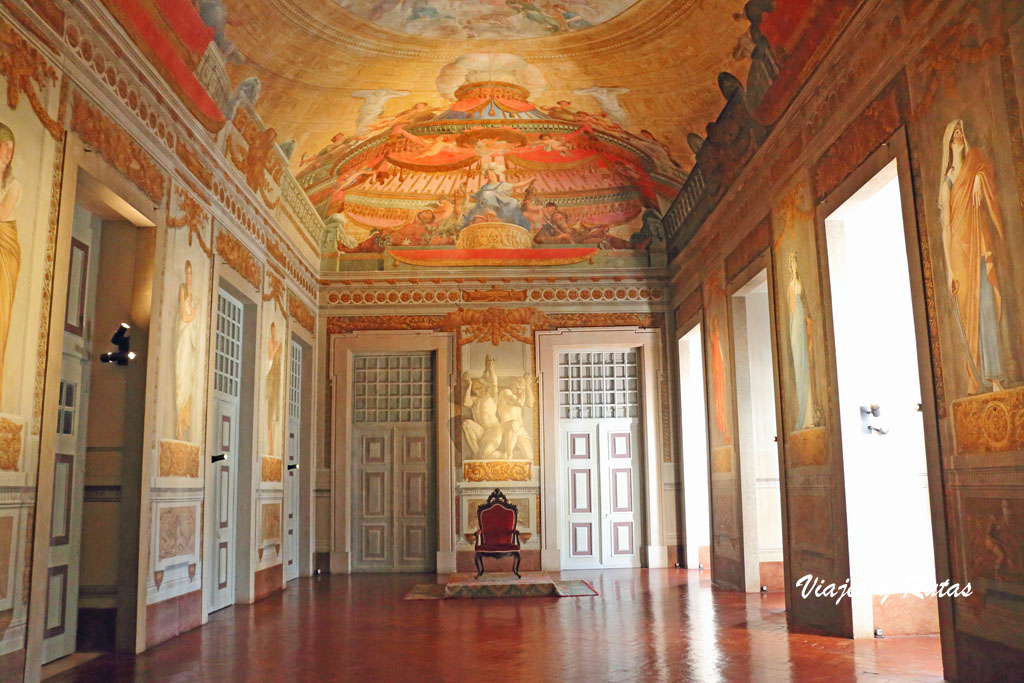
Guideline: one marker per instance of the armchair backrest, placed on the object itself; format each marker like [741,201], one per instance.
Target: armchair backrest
[497,519]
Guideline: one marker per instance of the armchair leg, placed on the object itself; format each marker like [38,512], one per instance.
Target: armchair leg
[515,565]
[479,566]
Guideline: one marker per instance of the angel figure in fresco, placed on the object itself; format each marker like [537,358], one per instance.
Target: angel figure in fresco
[718,381]
[482,430]
[10,251]
[273,385]
[186,346]
[516,441]
[972,235]
[423,148]
[800,329]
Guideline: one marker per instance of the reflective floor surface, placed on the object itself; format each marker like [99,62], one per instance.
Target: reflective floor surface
[663,624]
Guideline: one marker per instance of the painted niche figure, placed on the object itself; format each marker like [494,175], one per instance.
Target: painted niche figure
[718,382]
[186,345]
[10,251]
[273,386]
[483,430]
[972,231]
[800,331]
[496,195]
[516,441]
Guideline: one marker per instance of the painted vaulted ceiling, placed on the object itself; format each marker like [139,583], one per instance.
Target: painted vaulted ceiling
[440,133]
[327,66]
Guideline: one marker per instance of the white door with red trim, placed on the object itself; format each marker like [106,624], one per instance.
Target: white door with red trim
[599,452]
[227,387]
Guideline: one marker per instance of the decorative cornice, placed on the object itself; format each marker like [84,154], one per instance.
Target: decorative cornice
[494,325]
[239,258]
[301,313]
[117,147]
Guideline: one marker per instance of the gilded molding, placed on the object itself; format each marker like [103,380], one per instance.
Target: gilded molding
[239,258]
[27,73]
[118,147]
[301,314]
[193,216]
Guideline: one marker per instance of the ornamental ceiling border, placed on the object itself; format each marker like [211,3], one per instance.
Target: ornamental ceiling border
[444,294]
[88,43]
[620,37]
[493,324]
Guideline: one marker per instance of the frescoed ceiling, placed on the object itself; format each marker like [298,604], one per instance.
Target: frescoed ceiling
[427,131]
[652,63]
[485,19]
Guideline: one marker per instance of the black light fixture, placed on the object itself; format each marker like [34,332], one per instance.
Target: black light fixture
[123,342]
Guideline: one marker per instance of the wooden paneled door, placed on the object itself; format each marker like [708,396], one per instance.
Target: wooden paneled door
[62,578]
[291,491]
[394,497]
[599,452]
[227,388]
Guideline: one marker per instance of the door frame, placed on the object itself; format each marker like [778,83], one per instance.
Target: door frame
[748,493]
[342,349]
[225,278]
[896,147]
[652,376]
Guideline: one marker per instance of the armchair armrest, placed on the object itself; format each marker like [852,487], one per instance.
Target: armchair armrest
[473,538]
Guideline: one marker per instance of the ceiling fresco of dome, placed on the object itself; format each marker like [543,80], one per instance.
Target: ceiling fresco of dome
[485,19]
[567,147]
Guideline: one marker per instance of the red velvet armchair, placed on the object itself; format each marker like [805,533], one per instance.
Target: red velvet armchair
[496,534]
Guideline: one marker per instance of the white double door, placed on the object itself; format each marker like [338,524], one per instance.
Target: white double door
[601,507]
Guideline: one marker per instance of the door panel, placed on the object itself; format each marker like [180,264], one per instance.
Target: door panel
[292,497]
[227,385]
[224,478]
[598,427]
[394,525]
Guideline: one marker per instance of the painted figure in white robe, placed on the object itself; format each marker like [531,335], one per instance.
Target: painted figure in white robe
[186,353]
[10,251]
[800,336]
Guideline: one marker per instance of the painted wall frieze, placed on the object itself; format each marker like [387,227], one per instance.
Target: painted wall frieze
[28,73]
[116,146]
[301,313]
[191,216]
[239,258]
[606,292]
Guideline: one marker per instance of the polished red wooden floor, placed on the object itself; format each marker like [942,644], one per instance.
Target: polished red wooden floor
[662,624]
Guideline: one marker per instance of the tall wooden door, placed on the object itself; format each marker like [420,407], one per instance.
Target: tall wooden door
[291,491]
[394,497]
[600,455]
[61,622]
[227,389]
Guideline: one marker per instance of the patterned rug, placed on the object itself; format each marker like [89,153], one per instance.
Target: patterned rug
[501,585]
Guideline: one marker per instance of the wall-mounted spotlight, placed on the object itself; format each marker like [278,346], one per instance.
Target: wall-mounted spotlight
[123,343]
[218,457]
[293,467]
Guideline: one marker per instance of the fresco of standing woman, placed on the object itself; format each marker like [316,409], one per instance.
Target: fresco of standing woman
[10,251]
[972,238]
[273,386]
[801,350]
[186,345]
